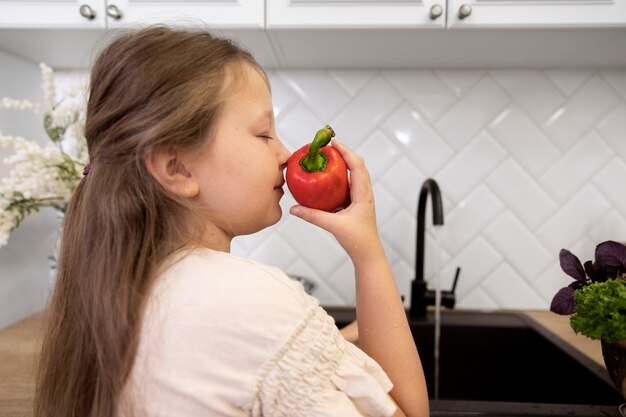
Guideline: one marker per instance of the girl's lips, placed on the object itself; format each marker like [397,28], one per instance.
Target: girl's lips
[280,185]
[279,188]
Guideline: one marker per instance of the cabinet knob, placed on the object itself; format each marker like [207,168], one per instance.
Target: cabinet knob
[114,12]
[464,11]
[87,12]
[435,11]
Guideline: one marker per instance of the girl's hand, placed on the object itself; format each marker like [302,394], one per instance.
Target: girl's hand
[378,304]
[355,226]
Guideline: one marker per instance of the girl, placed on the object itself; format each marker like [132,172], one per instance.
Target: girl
[151,315]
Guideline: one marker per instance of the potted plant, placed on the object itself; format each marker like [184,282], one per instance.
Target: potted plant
[596,301]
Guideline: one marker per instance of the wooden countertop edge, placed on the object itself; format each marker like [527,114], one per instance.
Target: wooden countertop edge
[19,345]
[23,337]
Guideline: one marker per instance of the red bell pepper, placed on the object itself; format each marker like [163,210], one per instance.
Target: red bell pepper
[317,175]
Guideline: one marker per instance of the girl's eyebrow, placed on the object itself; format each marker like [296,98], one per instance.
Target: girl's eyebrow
[266,116]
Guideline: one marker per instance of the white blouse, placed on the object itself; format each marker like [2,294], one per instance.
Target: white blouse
[226,336]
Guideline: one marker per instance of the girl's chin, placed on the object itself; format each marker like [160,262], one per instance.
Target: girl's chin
[272,219]
[279,215]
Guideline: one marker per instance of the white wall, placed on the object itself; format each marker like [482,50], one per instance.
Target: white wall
[528,161]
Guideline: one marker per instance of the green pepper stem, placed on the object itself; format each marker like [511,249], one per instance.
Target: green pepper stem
[314,160]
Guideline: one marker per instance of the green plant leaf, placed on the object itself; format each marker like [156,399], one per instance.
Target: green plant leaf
[601,311]
[55,133]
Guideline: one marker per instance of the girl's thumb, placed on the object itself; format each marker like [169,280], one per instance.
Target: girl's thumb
[317,217]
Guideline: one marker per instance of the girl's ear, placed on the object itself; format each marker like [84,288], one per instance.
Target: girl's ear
[168,168]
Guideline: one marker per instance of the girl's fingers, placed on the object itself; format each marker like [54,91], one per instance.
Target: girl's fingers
[359,176]
[316,217]
[353,161]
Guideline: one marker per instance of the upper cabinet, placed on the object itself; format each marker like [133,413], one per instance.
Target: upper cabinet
[340,33]
[53,14]
[459,33]
[81,27]
[242,14]
[79,14]
[323,14]
[535,13]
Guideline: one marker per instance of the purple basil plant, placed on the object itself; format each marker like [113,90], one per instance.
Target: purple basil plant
[610,263]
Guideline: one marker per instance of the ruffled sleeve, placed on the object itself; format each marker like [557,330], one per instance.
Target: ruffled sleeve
[317,373]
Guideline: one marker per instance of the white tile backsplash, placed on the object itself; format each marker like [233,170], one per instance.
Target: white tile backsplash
[581,112]
[423,91]
[472,112]
[524,140]
[574,220]
[610,182]
[521,193]
[400,177]
[518,245]
[381,151]
[320,93]
[528,161]
[371,106]
[568,80]
[576,166]
[476,261]
[531,90]
[412,134]
[612,129]
[459,81]
[467,220]
[617,80]
[508,289]
[469,166]
[352,81]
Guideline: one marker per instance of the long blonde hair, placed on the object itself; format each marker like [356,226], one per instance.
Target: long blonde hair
[150,89]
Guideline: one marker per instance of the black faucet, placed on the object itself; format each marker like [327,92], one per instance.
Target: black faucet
[421,296]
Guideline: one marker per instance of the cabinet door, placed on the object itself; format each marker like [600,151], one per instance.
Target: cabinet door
[536,13]
[195,13]
[52,14]
[299,14]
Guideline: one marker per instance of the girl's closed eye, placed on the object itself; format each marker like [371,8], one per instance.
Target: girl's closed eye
[266,136]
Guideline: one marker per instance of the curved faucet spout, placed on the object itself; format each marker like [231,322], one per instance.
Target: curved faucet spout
[431,187]
[421,297]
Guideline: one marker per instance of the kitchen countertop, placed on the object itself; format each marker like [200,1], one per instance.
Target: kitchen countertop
[18,346]
[20,343]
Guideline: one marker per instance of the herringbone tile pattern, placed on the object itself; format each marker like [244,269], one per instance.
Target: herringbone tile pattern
[528,162]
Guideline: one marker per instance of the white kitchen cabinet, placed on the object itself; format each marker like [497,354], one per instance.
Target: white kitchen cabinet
[73,42]
[242,14]
[340,33]
[85,14]
[75,14]
[535,13]
[324,14]
[315,14]
[337,14]
[467,34]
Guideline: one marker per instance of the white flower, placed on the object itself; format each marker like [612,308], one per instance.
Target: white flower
[43,176]
[9,103]
[47,84]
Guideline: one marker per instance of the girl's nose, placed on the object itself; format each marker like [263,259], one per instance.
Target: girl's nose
[283,154]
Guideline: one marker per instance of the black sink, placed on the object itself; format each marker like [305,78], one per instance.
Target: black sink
[508,362]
